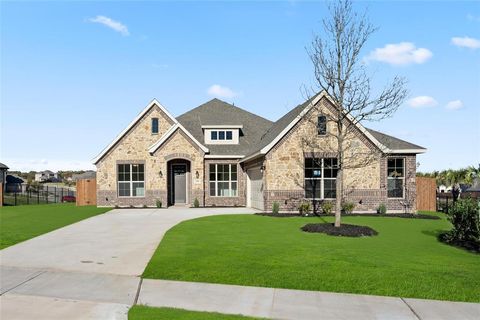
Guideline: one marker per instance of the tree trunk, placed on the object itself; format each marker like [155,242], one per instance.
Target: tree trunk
[338,201]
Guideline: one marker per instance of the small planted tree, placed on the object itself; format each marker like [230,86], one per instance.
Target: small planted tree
[336,54]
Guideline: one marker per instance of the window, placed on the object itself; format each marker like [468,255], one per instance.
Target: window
[223,180]
[322,125]
[395,177]
[131,180]
[320,178]
[154,125]
[221,135]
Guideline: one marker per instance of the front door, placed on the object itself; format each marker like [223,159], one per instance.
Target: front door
[179,188]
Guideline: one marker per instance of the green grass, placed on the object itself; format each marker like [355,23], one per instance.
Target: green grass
[20,223]
[404,260]
[149,313]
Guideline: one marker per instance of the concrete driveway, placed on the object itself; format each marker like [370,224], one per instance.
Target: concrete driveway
[120,242]
[90,269]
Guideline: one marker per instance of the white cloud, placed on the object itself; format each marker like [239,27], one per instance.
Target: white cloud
[112,24]
[402,53]
[471,17]
[466,42]
[454,105]
[222,92]
[422,102]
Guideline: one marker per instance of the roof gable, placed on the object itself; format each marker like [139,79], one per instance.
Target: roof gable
[117,139]
[281,127]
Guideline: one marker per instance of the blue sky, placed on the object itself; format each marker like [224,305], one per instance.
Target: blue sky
[73,75]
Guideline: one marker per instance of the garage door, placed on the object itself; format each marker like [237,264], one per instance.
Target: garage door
[256,188]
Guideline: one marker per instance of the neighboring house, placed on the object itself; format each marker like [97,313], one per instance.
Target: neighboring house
[46,176]
[15,184]
[90,174]
[3,174]
[3,181]
[225,156]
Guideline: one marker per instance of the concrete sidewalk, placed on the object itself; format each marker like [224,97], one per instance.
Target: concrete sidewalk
[297,304]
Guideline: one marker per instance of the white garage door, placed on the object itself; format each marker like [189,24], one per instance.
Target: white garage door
[256,188]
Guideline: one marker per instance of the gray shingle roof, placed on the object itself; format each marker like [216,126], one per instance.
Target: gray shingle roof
[3,167]
[257,132]
[392,142]
[217,112]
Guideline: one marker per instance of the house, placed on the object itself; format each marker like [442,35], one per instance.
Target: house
[3,181]
[15,184]
[3,174]
[223,155]
[89,174]
[46,176]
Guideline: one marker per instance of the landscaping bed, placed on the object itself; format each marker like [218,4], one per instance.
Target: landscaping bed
[387,215]
[345,230]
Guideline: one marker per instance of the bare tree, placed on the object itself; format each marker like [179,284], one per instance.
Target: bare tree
[340,72]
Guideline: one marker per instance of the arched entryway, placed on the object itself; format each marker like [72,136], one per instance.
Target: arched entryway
[178,182]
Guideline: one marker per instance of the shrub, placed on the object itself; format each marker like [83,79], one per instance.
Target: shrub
[327,207]
[196,203]
[304,207]
[382,209]
[347,207]
[465,218]
[132,206]
[159,203]
[145,206]
[275,207]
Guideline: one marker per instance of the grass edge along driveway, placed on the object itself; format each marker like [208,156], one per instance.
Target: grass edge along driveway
[404,260]
[20,223]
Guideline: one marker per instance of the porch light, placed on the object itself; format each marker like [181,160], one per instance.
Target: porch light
[262,168]
[161,174]
[197,175]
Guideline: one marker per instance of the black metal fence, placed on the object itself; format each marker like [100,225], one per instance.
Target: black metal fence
[43,195]
[445,199]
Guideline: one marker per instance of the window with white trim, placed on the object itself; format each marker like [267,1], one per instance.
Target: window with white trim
[395,177]
[320,178]
[221,135]
[131,180]
[223,180]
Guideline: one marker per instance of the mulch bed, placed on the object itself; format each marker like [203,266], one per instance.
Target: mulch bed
[471,246]
[345,230]
[388,215]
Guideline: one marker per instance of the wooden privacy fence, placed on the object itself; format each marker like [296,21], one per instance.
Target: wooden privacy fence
[426,194]
[86,192]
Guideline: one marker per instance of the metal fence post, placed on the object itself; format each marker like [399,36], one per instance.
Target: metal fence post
[15,196]
[61,199]
[46,195]
[55,195]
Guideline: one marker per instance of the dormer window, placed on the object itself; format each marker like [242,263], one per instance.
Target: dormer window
[222,134]
[154,125]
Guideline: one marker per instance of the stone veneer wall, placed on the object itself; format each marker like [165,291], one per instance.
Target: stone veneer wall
[240,200]
[133,148]
[284,173]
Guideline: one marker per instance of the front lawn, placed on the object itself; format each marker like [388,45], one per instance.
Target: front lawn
[149,313]
[21,223]
[405,259]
